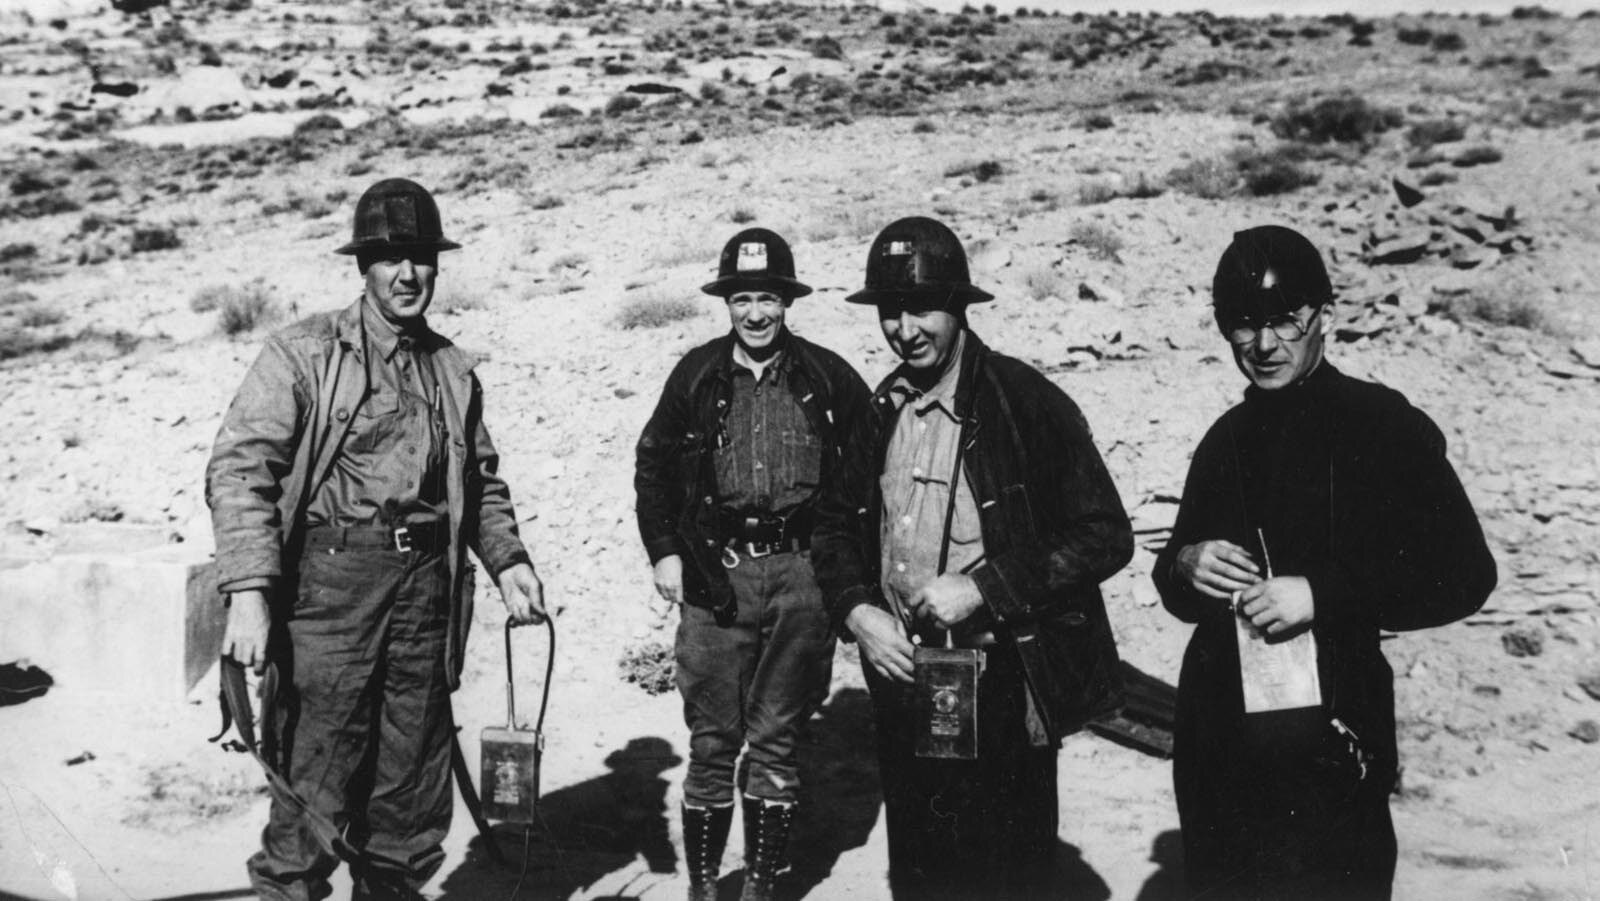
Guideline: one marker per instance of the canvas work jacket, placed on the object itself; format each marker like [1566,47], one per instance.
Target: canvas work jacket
[675,473]
[284,430]
[1053,529]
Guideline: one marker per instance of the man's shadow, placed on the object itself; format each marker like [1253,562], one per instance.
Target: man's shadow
[839,792]
[1166,883]
[584,832]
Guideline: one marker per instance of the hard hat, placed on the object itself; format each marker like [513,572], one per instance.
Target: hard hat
[756,259]
[1267,271]
[397,212]
[919,257]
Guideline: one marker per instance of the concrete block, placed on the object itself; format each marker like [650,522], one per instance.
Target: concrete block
[147,623]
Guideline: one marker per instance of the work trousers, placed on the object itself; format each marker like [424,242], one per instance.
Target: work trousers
[968,829]
[755,681]
[364,722]
[1278,811]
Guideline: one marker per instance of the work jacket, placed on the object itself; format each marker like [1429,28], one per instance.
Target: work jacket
[285,428]
[675,473]
[1053,529]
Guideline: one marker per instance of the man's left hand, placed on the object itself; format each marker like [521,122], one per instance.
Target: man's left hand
[1278,605]
[523,595]
[947,600]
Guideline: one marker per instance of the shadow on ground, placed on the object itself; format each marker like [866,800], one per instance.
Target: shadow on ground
[1166,883]
[587,830]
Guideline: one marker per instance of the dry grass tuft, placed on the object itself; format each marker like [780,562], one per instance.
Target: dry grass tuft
[1346,118]
[241,309]
[648,665]
[1043,282]
[1101,240]
[654,309]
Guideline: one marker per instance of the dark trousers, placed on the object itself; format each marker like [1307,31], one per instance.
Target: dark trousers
[1277,811]
[755,681]
[968,829]
[364,721]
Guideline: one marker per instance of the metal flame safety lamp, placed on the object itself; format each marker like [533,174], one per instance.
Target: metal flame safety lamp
[511,755]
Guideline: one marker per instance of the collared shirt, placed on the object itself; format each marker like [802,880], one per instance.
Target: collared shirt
[390,469]
[767,457]
[916,488]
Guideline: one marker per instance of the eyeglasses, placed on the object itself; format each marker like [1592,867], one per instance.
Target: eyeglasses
[1286,327]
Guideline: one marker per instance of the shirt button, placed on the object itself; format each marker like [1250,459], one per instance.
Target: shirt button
[899,567]
[916,470]
[758,464]
[756,429]
[905,520]
[342,415]
[922,426]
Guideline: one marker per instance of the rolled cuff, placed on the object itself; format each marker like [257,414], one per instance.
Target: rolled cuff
[839,611]
[248,583]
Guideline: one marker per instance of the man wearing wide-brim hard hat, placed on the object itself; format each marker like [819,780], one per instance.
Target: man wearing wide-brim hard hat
[962,547]
[350,476]
[728,468]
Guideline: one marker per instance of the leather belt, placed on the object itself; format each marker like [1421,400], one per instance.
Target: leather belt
[413,537]
[774,530]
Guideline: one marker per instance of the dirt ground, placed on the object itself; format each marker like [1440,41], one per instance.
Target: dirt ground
[176,177]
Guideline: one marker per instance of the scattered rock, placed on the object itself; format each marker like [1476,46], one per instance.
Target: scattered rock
[1407,195]
[1406,247]
[1588,352]
[1561,369]
[1586,731]
[115,88]
[1099,291]
[1523,641]
[1591,685]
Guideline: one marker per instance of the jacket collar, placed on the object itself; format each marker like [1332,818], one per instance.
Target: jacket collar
[973,350]
[783,365]
[348,331]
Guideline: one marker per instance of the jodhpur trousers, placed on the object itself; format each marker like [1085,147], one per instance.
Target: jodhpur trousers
[364,721]
[754,682]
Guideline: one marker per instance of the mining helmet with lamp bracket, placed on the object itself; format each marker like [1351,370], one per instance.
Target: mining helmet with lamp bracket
[1267,272]
[922,259]
[397,213]
[756,259]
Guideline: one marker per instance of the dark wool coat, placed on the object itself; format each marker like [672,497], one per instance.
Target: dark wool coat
[1352,489]
[1053,529]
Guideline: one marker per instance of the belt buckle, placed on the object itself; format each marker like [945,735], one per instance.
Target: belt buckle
[402,540]
[758,549]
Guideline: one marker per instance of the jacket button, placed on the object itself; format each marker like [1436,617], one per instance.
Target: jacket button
[708,500]
[342,415]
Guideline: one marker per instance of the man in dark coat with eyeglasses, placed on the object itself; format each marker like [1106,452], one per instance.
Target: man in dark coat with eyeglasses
[1318,512]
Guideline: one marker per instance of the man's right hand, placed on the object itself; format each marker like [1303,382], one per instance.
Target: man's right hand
[244,641]
[883,641]
[1217,568]
[669,578]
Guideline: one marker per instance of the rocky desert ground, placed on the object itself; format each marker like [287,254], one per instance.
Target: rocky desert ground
[175,175]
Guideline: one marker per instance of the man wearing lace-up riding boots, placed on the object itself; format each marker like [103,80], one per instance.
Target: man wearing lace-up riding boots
[747,427]
[350,476]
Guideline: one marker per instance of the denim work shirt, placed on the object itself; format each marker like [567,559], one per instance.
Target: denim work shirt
[916,489]
[391,468]
[767,457]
